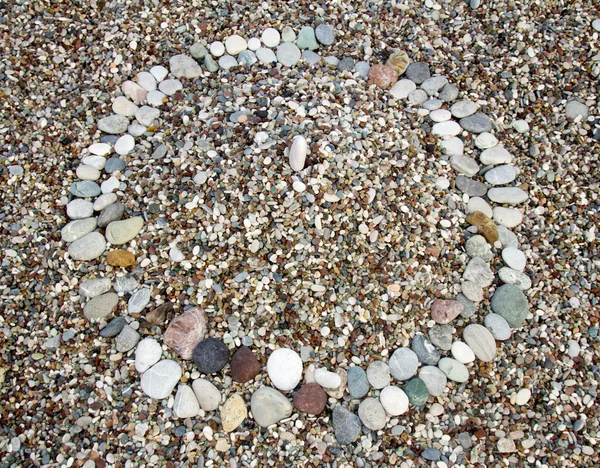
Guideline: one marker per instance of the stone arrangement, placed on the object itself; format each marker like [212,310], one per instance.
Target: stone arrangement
[411,374]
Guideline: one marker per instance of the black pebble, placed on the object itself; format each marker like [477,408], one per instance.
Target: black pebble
[210,355]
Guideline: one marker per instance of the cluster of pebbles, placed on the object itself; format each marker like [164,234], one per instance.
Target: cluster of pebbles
[489,184]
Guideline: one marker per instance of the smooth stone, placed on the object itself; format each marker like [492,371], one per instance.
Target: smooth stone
[121,232]
[418,72]
[124,145]
[327,379]
[233,412]
[99,149]
[435,380]
[310,57]
[310,399]
[269,406]
[123,106]
[170,87]
[127,339]
[227,61]
[185,404]
[441,335]
[254,44]
[100,306]
[156,99]
[402,89]
[440,115]
[210,64]
[382,76]
[247,58]
[521,126]
[476,123]
[575,109]
[362,68]
[146,116]
[514,258]
[184,66]
[495,155]
[338,393]
[358,383]
[244,365]
[91,288]
[120,258]
[417,392]
[288,54]
[111,213]
[448,93]
[434,84]
[472,291]
[394,400]
[325,34]
[518,278]
[477,246]
[217,48]
[114,165]
[523,396]
[442,183]
[114,327]
[134,91]
[498,326]
[481,341]
[270,37]
[507,195]
[126,284]
[462,352]
[77,229]
[443,311]
[378,374]
[85,189]
[346,64]
[464,108]
[88,247]
[446,129]
[432,105]
[97,162]
[403,364]
[464,165]
[372,414]
[596,24]
[417,97]
[146,80]
[288,34]
[501,175]
[110,185]
[266,56]
[208,396]
[235,44]
[508,217]
[159,72]
[80,209]
[210,356]
[479,204]
[198,51]
[425,350]
[113,124]
[346,425]
[284,368]
[454,370]
[297,154]
[147,353]
[159,381]
[158,315]
[510,302]
[139,300]
[485,140]
[306,39]
[479,272]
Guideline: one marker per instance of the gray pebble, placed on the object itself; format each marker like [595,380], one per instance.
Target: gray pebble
[114,327]
[325,34]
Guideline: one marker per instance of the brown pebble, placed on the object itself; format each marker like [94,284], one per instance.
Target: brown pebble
[159,315]
[121,258]
[244,365]
[311,399]
[485,225]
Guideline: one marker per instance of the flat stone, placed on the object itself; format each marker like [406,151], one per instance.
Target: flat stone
[147,115]
[508,217]
[507,238]
[485,140]
[114,165]
[476,123]
[77,229]
[159,315]
[227,61]
[210,356]
[518,278]
[402,89]
[235,44]
[111,213]
[310,399]
[208,396]
[441,335]
[247,58]
[394,400]
[472,291]
[126,284]
[464,108]
[434,84]
[372,414]
[159,381]
[498,326]
[88,247]
[288,54]
[94,287]
[100,306]
[310,57]
[244,365]
[403,364]
[269,406]
[477,246]
[378,374]
[464,165]
[147,353]
[448,93]
[123,106]
[479,272]
[233,412]
[99,149]
[432,104]
[507,195]
[575,109]
[435,380]
[97,162]
[418,72]
[185,404]
[134,91]
[481,341]
[86,172]
[462,352]
[501,175]
[514,258]
[80,209]
[362,68]
[444,311]
[346,425]
[417,392]
[139,300]
[284,368]
[121,232]
[198,51]
[523,396]
[270,37]
[288,34]
[346,64]
[170,87]
[510,302]
[184,66]
[454,370]
[266,56]
[110,185]
[358,384]
[382,76]
[521,126]
[114,124]
[127,339]
[425,350]
[159,72]
[495,155]
[120,258]
[114,327]
[85,189]
[440,115]
[306,39]
[446,129]
[156,99]
[325,34]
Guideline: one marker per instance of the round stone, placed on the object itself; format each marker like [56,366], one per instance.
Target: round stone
[508,217]
[88,247]
[185,405]
[235,44]
[463,108]
[462,352]
[358,383]
[288,34]
[486,140]
[378,374]
[501,175]
[418,72]
[270,37]
[417,392]
[101,306]
[425,350]
[94,287]
[346,425]
[325,34]
[284,367]
[247,58]
[147,353]
[382,76]
[476,123]
[435,380]
[254,44]
[159,381]
[184,66]
[472,291]
[210,356]
[372,414]
[440,115]
[269,406]
[306,39]
[111,213]
[146,116]
[464,165]
[207,394]
[481,341]
[288,54]
[509,302]
[244,365]
[80,209]
[498,326]
[403,364]
[217,48]
[77,229]
[121,232]
[402,89]
[446,129]
[233,412]
[159,72]
[227,61]
[97,162]
[266,56]
[444,311]
[523,396]
[394,400]
[479,271]
[441,335]
[310,399]
[514,258]
[454,370]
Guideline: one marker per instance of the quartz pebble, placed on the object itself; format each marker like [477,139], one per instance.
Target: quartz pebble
[284,367]
[454,370]
[159,381]
[327,379]
[394,400]
[462,352]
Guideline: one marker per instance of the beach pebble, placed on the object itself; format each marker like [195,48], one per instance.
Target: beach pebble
[402,89]
[310,399]
[514,258]
[454,370]
[88,247]
[358,383]
[327,379]
[184,66]
[372,414]
[208,396]
[100,306]
[346,425]
[185,405]
[434,379]
[159,381]
[510,302]
[378,374]
[139,300]
[268,406]
[233,412]
[394,400]
[481,341]
[147,353]
[210,356]
[235,44]
[462,352]
[518,278]
[325,34]
[498,326]
[425,350]
[403,364]
[284,367]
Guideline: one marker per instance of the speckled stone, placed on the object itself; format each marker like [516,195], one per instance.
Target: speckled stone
[210,356]
[358,384]
[346,425]
[417,392]
[382,76]
[244,365]
[233,412]
[481,341]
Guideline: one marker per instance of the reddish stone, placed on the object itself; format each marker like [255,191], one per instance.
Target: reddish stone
[443,311]
[311,399]
[186,331]
[244,365]
[158,315]
[382,76]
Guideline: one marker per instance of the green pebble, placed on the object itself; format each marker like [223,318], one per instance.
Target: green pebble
[198,51]
[306,39]
[510,302]
[210,64]
[417,393]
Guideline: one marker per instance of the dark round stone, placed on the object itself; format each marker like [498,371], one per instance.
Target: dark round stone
[210,355]
[244,365]
[311,399]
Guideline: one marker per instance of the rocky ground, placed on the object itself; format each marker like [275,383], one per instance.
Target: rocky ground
[229,227]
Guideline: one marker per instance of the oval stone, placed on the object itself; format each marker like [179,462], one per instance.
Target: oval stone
[185,331]
[435,380]
[417,392]
[77,229]
[207,394]
[394,400]
[88,247]
[495,155]
[498,326]
[159,381]
[284,367]
[507,195]
[462,352]
[403,364]
[508,217]
[358,384]
[298,153]
[454,370]
[501,175]
[100,306]
[114,124]
[372,414]
[518,278]
[244,365]
[147,353]
[510,302]
[233,412]
[185,404]
[121,232]
[514,258]
[444,311]
[210,356]
[310,399]
[346,425]
[269,406]
[481,341]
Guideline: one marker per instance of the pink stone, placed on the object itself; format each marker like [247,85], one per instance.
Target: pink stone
[186,331]
[443,311]
[382,76]
[134,91]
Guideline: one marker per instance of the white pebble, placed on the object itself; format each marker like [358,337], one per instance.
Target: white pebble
[217,48]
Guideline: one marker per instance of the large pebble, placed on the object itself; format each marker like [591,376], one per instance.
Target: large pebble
[476,123]
[402,89]
[80,209]
[403,364]
[464,165]
[382,76]
[124,106]
[453,146]
[77,229]
[481,341]
[159,381]
[418,72]
[463,108]
[113,124]
[146,80]
[425,350]
[269,406]
[441,335]
[284,367]
[446,129]
[327,379]
[346,425]
[100,306]
[472,291]
[358,383]
[114,327]
[485,140]
[310,399]
[477,246]
[134,91]
[207,394]
[111,213]
[501,175]
[495,155]
[244,365]
[444,311]
[99,149]
[394,400]
[498,326]
[479,204]
[372,414]
[298,151]
[266,56]
[518,278]
[417,392]
[471,187]
[94,287]
[210,356]
[434,84]
[170,87]
[184,66]
[270,37]
[479,271]
[507,195]
[88,247]
[454,370]
[325,34]
[139,300]
[127,339]
[306,39]
[233,412]
[514,258]
[185,404]
[435,380]
[121,232]
[508,217]
[235,44]
[510,302]
[378,374]
[146,116]
[462,352]
[147,353]
[97,162]
[288,54]
[575,109]
[438,115]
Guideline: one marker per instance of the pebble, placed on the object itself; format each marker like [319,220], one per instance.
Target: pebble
[247,58]
[454,370]
[266,56]
[463,108]
[210,356]
[233,412]
[244,365]
[518,278]
[425,350]
[185,404]
[417,392]
[418,72]
[444,311]
[325,34]
[77,229]
[372,414]
[403,364]
[479,271]
[434,84]
[338,393]
[507,195]
[158,315]
[523,396]
[94,287]
[394,400]
[399,61]
[576,109]
[134,91]
[310,399]
[100,306]
[120,258]
[97,162]
[495,155]
[235,44]
[402,89]
[146,116]
[378,374]
[170,87]
[521,126]
[448,93]
[114,327]
[382,76]
[288,34]
[111,213]
[208,396]
[307,39]
[147,353]
[270,37]
[198,51]
[80,209]
[510,302]
[446,129]
[114,165]
[99,149]
[464,165]
[462,352]
[514,258]
[268,406]
[210,64]
[346,425]
[596,24]
[346,64]
[126,284]
[481,341]
[477,246]
[288,54]
[310,57]
[508,217]
[88,247]
[498,326]
[298,151]
[227,61]
[501,175]
[123,106]
[184,66]
[358,383]
[114,124]
[441,335]
[472,291]
[159,72]
[431,454]
[139,300]
[121,232]
[434,379]
[479,204]
[127,339]
[327,379]
[476,123]
[439,115]
[485,140]
[284,368]
[433,104]
[159,381]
